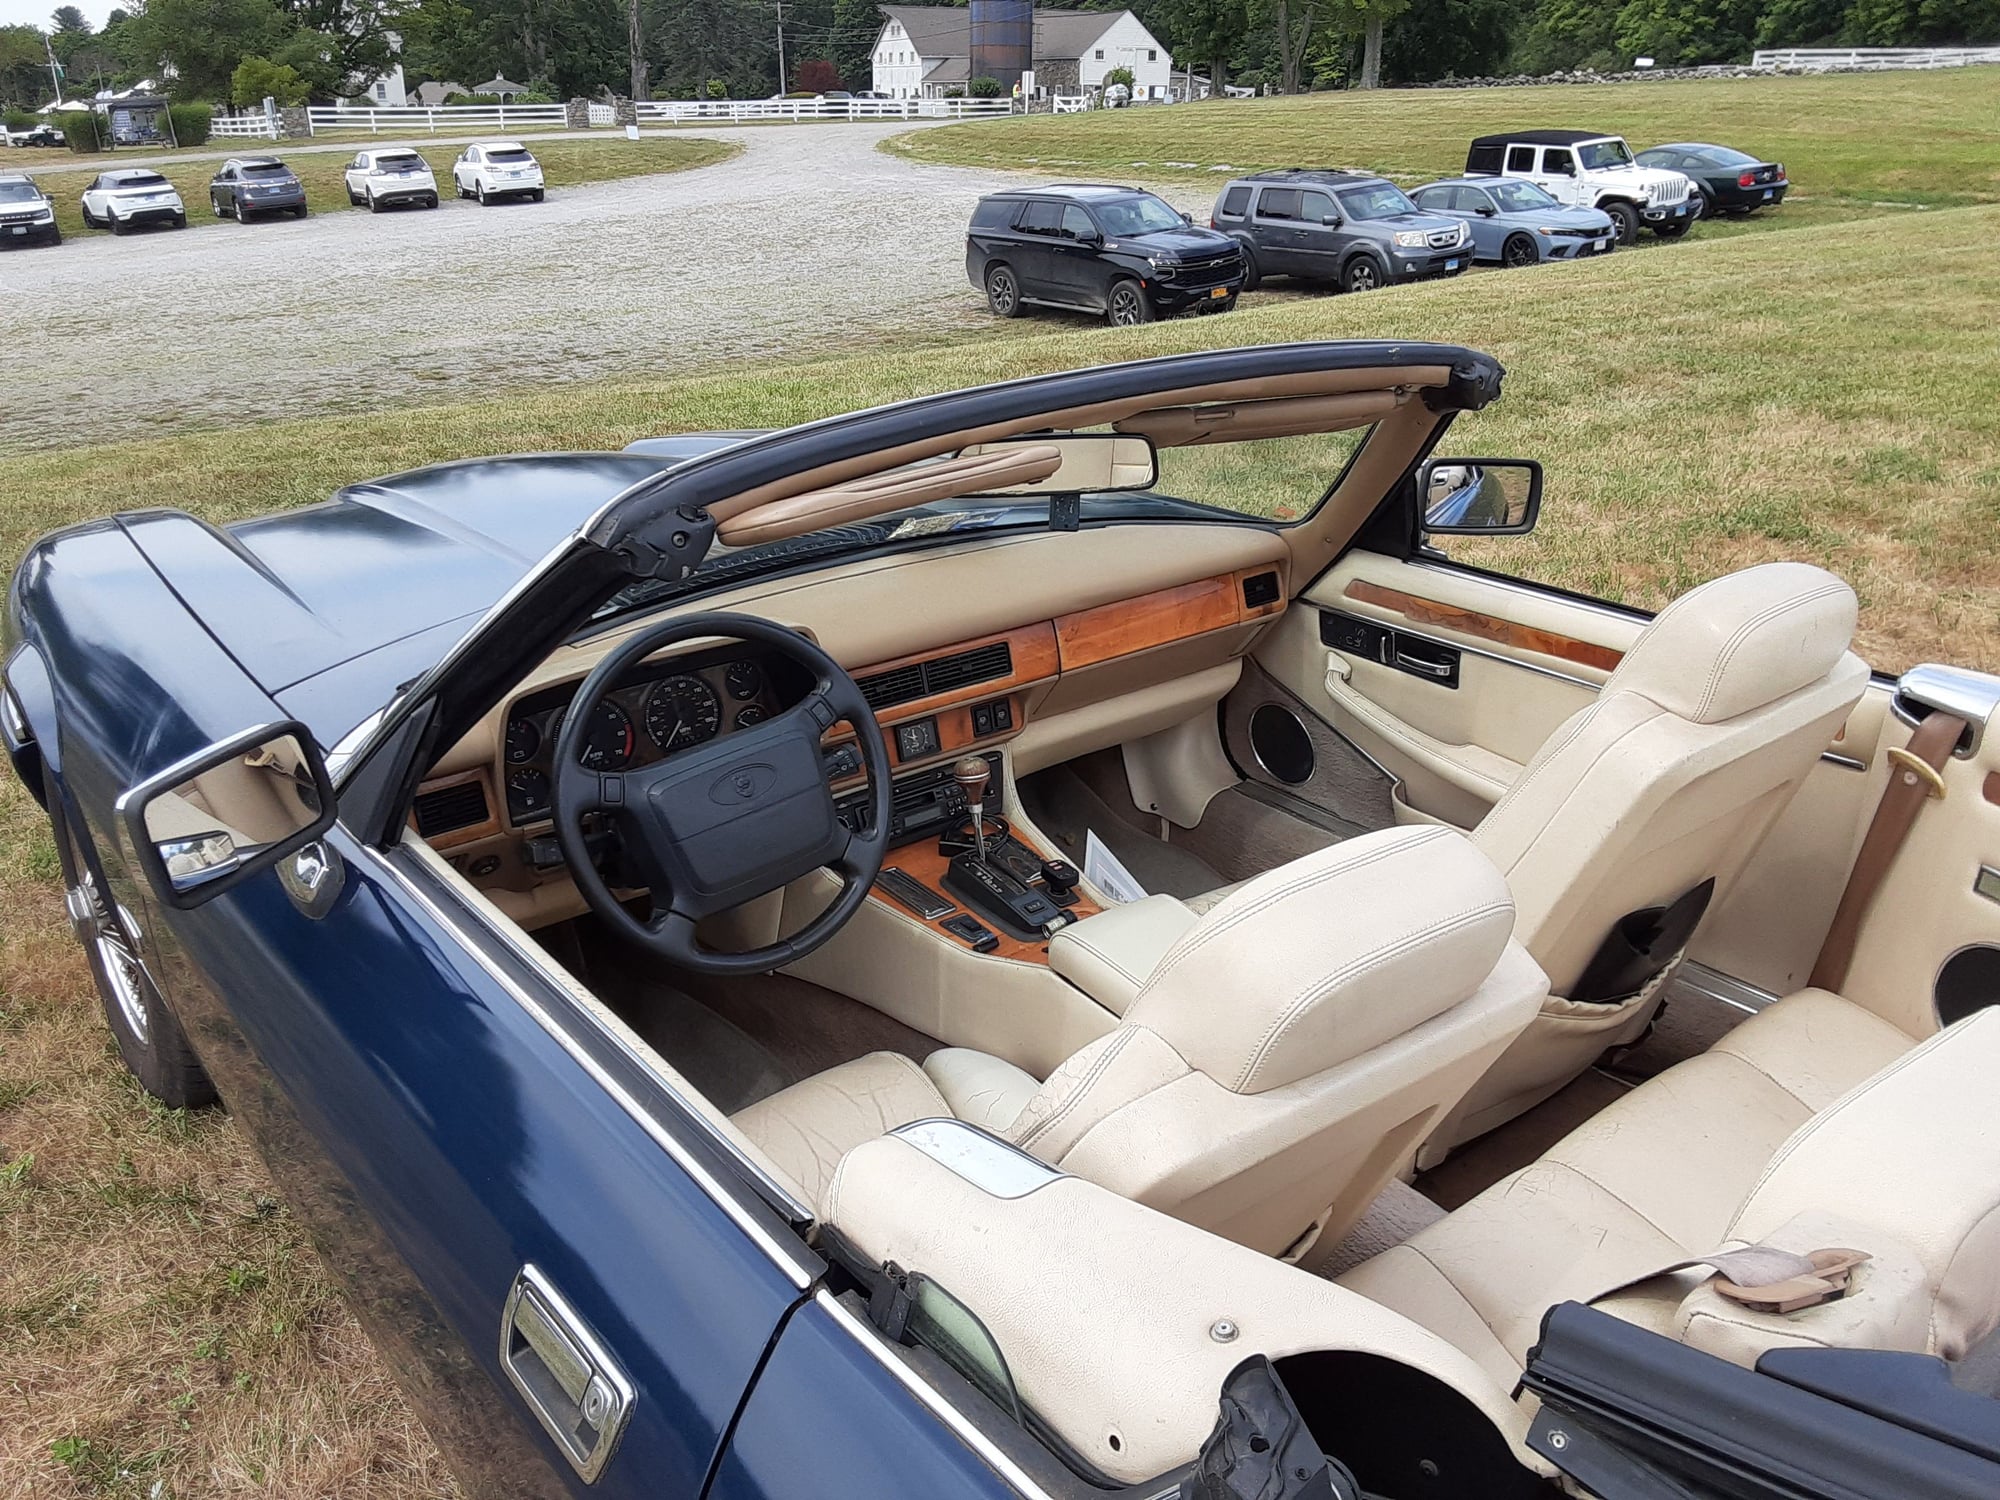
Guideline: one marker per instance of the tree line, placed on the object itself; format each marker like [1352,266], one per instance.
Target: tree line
[297,50]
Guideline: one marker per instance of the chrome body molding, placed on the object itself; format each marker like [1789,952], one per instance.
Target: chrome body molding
[1972,696]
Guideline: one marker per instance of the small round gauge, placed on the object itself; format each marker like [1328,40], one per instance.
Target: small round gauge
[743,679]
[608,742]
[745,717]
[527,795]
[682,711]
[523,740]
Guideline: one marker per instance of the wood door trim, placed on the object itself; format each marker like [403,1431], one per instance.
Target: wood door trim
[1485,627]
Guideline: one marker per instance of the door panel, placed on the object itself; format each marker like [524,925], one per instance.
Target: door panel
[1529,658]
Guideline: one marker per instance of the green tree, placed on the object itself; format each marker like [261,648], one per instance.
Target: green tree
[196,44]
[347,42]
[1291,24]
[1684,33]
[1202,33]
[1452,39]
[258,78]
[24,66]
[1366,19]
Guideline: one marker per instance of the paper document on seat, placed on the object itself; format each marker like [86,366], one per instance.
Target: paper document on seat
[1102,869]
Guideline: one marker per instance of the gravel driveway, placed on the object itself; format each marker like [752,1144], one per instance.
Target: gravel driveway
[808,243]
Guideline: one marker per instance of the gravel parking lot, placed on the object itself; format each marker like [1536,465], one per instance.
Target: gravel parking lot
[809,242]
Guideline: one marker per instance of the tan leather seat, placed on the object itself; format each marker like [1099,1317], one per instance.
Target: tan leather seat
[1685,1164]
[1274,1069]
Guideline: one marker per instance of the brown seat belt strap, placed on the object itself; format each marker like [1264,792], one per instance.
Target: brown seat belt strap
[1913,780]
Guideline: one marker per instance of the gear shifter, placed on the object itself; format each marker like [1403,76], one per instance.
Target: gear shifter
[972,774]
[993,874]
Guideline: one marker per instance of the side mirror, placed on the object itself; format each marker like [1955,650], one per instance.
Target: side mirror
[1331,221]
[223,815]
[1090,237]
[1479,496]
[1186,217]
[1488,211]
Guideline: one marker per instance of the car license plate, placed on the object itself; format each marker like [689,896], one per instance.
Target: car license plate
[1601,245]
[1767,192]
[1451,265]
[17,228]
[1217,291]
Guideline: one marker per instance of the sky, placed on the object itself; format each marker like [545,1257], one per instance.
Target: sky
[37,12]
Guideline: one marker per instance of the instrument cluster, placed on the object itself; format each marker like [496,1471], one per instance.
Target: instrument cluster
[661,708]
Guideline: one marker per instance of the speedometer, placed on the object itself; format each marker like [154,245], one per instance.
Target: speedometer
[682,711]
[608,740]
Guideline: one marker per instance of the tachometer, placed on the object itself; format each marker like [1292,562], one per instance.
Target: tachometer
[682,711]
[608,741]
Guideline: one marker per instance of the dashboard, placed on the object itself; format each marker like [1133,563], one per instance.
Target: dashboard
[656,709]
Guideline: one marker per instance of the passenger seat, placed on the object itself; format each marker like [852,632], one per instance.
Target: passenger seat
[1771,1125]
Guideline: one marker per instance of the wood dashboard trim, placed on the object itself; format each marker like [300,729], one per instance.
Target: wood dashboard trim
[1031,647]
[1090,636]
[1485,627]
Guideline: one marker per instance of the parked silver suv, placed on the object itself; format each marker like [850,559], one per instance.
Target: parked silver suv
[1349,228]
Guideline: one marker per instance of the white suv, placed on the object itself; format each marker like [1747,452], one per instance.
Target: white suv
[383,179]
[1586,169]
[25,214]
[497,169]
[128,196]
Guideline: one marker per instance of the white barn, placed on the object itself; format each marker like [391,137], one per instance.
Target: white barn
[924,51]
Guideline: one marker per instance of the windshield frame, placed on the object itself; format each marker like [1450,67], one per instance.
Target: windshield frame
[1591,155]
[1133,203]
[1502,188]
[1348,195]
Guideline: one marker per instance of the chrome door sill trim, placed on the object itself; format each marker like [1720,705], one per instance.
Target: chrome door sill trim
[1700,980]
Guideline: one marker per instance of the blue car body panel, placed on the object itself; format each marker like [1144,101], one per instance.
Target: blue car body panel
[1579,228]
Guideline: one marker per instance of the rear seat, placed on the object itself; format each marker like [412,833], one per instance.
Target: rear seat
[1658,1176]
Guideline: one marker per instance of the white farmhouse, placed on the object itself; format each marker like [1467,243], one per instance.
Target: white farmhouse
[924,51]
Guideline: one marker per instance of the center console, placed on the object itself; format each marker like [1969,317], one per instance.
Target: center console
[964,871]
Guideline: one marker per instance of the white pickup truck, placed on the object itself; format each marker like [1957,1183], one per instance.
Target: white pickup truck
[1586,169]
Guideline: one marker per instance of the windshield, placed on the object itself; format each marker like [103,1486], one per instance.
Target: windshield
[1277,480]
[1597,155]
[266,169]
[1516,197]
[1143,214]
[1382,201]
[1722,156]
[18,192]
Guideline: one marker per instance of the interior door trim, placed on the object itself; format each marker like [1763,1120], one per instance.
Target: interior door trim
[1485,627]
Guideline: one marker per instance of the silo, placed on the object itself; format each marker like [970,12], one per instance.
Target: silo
[1002,40]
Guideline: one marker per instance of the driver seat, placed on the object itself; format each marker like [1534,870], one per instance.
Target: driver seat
[1278,1066]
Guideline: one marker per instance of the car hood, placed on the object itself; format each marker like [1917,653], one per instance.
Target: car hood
[1577,217]
[1426,221]
[1186,243]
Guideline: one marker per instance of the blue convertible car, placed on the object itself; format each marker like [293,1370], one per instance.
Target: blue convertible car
[935,954]
[1515,223]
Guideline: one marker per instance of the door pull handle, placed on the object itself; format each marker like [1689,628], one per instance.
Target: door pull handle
[1411,663]
[569,1380]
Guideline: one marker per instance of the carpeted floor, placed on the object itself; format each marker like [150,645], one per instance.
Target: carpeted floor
[1396,1214]
[738,1040]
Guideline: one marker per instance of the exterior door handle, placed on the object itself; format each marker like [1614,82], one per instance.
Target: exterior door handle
[569,1380]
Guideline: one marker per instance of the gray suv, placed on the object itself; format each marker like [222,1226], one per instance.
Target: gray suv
[1349,228]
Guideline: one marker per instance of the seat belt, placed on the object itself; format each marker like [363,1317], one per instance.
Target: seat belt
[1915,779]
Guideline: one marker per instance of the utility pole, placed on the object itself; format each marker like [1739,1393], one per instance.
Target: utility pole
[782,87]
[638,45]
[55,68]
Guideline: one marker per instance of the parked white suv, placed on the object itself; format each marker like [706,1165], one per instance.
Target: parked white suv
[1587,169]
[498,169]
[26,215]
[383,179]
[125,197]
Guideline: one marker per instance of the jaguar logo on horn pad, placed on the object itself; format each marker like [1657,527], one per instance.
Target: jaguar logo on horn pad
[741,784]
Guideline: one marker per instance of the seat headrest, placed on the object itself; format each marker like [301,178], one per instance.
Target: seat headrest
[1322,959]
[1740,641]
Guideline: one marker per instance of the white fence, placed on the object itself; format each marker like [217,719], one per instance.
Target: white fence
[257,127]
[1875,57]
[674,111]
[404,120]
[1070,104]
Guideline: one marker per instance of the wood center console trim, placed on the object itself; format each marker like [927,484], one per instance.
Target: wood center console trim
[1485,627]
[922,862]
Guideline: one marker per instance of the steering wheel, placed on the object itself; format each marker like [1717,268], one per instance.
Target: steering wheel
[718,824]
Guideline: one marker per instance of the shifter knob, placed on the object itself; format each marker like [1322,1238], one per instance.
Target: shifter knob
[972,774]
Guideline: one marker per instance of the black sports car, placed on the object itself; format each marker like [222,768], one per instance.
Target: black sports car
[1729,181]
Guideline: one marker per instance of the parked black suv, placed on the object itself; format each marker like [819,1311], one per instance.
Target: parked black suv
[1350,228]
[1096,248]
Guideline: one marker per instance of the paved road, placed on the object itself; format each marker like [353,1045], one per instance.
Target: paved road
[809,242]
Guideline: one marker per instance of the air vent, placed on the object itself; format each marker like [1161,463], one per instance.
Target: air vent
[450,808]
[898,685]
[944,674]
[1260,589]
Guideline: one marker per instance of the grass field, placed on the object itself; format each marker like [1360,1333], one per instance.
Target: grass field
[1849,142]
[1827,396]
[565,163]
